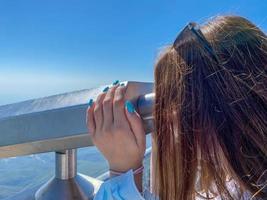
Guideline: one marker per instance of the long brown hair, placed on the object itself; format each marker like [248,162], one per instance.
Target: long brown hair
[210,119]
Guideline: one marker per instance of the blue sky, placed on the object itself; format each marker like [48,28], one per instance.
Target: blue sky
[55,46]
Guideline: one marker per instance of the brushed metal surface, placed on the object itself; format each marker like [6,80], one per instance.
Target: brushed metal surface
[79,188]
[66,164]
[76,188]
[145,105]
[55,123]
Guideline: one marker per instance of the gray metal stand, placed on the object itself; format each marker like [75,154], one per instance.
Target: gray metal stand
[66,184]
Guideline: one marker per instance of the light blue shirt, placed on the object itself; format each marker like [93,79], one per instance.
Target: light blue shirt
[122,188]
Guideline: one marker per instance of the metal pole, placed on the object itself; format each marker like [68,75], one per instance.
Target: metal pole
[67,184]
[66,164]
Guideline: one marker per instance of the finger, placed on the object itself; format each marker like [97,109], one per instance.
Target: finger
[136,124]
[118,105]
[108,108]
[98,110]
[90,121]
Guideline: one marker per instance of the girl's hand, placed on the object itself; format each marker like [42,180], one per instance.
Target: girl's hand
[116,129]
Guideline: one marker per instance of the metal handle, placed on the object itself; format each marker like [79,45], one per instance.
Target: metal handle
[145,104]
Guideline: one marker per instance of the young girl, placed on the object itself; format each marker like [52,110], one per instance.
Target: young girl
[210,139]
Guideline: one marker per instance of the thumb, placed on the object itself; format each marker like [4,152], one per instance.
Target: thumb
[136,124]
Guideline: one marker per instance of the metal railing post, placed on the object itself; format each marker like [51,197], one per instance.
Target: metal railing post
[66,164]
[66,184]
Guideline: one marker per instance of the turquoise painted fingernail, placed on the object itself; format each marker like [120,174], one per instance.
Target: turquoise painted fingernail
[91,101]
[115,82]
[122,84]
[129,106]
[105,89]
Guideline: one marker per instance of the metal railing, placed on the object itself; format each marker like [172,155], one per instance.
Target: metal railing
[57,124]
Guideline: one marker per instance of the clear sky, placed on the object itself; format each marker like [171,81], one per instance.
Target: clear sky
[55,46]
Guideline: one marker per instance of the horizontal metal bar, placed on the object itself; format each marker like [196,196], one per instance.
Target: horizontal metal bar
[57,122]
